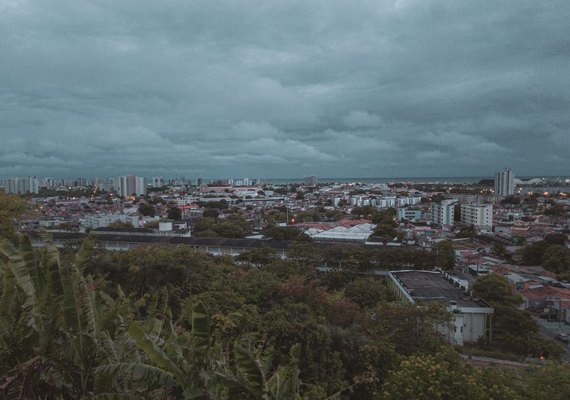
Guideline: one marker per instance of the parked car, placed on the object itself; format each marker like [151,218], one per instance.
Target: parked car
[563,337]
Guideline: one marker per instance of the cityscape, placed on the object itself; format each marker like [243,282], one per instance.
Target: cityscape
[284,200]
[430,243]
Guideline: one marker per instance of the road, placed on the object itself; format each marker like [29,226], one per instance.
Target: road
[549,330]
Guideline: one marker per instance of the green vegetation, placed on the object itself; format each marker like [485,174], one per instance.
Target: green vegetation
[173,323]
[120,225]
[11,207]
[556,210]
[467,232]
[286,233]
[445,376]
[550,253]
[445,258]
[512,199]
[146,209]
[514,330]
[174,213]
[233,226]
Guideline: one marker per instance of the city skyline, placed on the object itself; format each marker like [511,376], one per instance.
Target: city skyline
[289,89]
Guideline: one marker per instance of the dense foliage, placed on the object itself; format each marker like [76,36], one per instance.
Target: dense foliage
[170,322]
[551,253]
[514,330]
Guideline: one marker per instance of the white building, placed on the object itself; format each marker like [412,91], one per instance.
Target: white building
[386,202]
[157,182]
[443,213]
[472,318]
[102,221]
[29,184]
[504,184]
[409,214]
[480,215]
[184,200]
[129,185]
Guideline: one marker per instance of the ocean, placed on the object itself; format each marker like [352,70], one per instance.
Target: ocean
[439,179]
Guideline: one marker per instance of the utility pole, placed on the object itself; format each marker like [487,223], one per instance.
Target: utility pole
[559,315]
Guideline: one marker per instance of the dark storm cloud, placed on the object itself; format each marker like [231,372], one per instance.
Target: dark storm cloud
[284,88]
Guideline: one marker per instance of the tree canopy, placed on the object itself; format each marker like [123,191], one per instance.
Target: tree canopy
[172,322]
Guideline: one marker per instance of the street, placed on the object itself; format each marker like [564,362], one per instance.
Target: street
[551,329]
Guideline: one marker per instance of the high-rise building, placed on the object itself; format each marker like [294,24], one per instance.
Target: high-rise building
[477,214]
[129,185]
[157,182]
[80,182]
[443,212]
[504,184]
[25,185]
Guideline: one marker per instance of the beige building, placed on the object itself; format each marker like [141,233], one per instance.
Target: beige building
[480,215]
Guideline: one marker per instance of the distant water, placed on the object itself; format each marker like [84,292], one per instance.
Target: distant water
[439,179]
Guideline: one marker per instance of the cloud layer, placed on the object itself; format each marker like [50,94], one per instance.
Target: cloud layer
[288,88]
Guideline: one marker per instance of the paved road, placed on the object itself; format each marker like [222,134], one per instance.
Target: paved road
[550,330]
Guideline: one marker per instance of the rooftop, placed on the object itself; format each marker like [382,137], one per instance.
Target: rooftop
[427,286]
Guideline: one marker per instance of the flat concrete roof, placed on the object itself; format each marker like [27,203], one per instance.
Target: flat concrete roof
[425,286]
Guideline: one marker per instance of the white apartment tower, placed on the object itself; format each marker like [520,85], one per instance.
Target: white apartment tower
[477,214]
[25,185]
[504,184]
[157,182]
[129,185]
[443,213]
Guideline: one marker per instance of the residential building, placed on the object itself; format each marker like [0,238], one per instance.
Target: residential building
[504,184]
[480,215]
[25,185]
[157,182]
[409,214]
[129,185]
[443,212]
[102,221]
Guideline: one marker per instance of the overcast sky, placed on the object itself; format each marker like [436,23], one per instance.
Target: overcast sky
[260,88]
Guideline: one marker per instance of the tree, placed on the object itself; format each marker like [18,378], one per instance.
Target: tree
[444,376]
[513,329]
[363,211]
[258,257]
[511,199]
[549,382]
[445,258]
[229,229]
[366,292]
[11,207]
[556,258]
[500,250]
[467,232]
[286,233]
[118,224]
[384,217]
[146,209]
[495,289]
[211,213]
[202,225]
[152,225]
[556,238]
[50,328]
[555,210]
[174,213]
[409,328]
[533,253]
